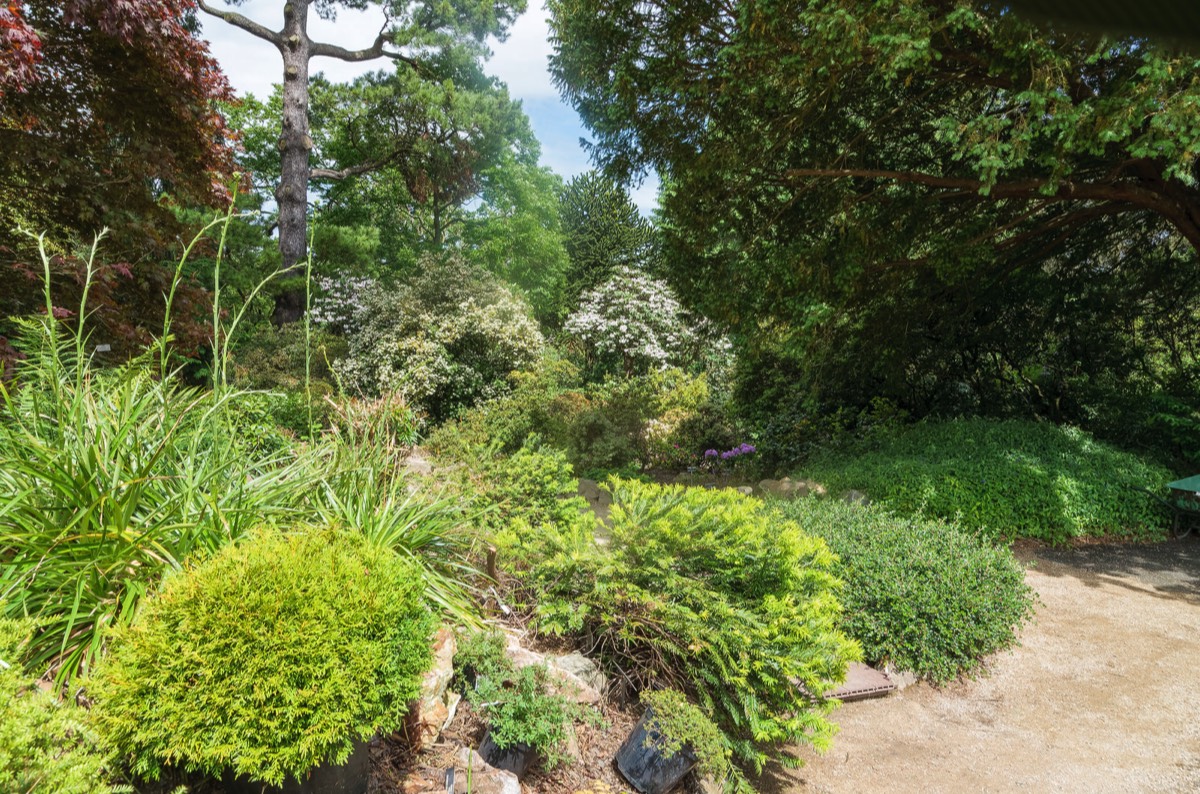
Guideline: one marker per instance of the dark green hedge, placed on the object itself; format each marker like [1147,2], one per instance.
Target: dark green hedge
[923,596]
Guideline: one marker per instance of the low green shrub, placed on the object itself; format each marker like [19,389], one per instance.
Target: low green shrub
[45,745]
[674,723]
[703,590]
[923,596]
[270,657]
[1007,479]
[521,710]
[505,422]
[662,419]
[481,654]
[273,359]
[518,704]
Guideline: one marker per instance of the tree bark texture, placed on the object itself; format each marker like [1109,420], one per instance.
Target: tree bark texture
[294,147]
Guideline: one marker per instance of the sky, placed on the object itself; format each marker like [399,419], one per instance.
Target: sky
[521,61]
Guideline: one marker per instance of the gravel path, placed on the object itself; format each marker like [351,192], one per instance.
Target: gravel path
[1101,696]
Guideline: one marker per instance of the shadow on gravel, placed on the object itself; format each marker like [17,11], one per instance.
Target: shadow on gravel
[1170,569]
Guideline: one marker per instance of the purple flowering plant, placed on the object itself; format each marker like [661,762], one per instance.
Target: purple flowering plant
[716,460]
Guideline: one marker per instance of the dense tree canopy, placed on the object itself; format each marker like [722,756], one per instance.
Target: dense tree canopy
[604,232]
[108,118]
[408,166]
[104,107]
[916,199]
[415,32]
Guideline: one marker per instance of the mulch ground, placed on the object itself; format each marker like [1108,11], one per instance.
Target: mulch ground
[396,768]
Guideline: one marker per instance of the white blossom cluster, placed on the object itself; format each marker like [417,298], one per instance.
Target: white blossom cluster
[635,318]
[437,351]
[341,302]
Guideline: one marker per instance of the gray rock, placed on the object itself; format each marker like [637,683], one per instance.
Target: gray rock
[429,714]
[901,678]
[856,498]
[584,669]
[787,488]
[562,682]
[484,778]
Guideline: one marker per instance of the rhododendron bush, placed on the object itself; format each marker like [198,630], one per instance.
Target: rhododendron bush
[633,323]
[444,341]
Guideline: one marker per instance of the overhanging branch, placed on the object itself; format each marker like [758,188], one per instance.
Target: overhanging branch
[376,50]
[1180,211]
[243,22]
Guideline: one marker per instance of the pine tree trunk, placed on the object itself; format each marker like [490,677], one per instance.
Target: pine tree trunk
[294,147]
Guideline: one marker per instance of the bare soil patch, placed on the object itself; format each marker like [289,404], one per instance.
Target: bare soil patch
[1100,696]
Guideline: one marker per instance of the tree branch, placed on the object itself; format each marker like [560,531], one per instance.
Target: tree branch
[344,173]
[376,50]
[245,23]
[1177,210]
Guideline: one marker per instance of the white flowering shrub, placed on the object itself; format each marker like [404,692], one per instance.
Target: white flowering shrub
[633,323]
[340,302]
[445,341]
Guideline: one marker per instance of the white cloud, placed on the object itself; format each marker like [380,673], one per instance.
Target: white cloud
[522,60]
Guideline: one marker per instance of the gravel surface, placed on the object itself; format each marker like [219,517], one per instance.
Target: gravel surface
[1101,695]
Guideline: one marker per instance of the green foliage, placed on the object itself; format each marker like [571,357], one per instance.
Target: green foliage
[603,231]
[270,657]
[703,590]
[272,359]
[481,654]
[521,710]
[45,745]
[1005,479]
[516,235]
[108,479]
[673,723]
[984,216]
[506,421]
[356,485]
[518,704]
[664,418]
[924,596]
[444,341]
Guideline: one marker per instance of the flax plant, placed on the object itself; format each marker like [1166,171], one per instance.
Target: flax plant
[108,479]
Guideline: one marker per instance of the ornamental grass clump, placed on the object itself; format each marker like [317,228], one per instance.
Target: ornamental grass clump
[705,591]
[109,479]
[269,658]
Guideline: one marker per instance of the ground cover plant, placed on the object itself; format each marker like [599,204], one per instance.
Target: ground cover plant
[1006,479]
[519,705]
[45,744]
[923,596]
[703,590]
[266,659]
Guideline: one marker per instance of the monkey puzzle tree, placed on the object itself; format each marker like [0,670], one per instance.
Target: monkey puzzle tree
[412,31]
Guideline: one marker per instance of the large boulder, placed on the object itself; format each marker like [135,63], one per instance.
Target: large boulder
[484,778]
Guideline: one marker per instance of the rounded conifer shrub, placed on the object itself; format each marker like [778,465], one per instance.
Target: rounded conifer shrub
[267,659]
